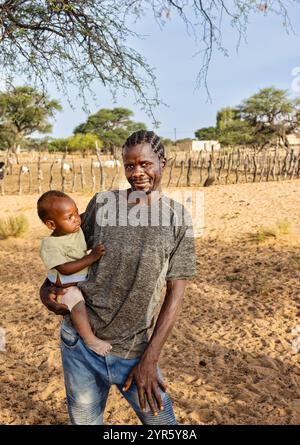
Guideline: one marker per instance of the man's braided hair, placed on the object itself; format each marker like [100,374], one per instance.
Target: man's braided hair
[146,137]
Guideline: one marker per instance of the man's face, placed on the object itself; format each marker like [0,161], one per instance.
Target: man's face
[143,168]
[64,217]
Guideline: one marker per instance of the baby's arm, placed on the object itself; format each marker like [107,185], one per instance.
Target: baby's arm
[77,265]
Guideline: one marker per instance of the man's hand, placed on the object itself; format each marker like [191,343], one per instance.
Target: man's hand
[49,295]
[145,372]
[147,381]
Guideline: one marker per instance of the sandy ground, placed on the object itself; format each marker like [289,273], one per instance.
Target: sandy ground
[229,359]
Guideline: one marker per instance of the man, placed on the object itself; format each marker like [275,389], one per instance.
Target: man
[147,246]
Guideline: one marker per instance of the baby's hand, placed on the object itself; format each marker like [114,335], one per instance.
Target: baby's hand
[98,252]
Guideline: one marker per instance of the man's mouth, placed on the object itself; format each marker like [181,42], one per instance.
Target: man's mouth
[140,182]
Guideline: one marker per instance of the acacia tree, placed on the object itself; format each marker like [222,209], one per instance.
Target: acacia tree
[112,127]
[206,133]
[76,42]
[271,115]
[24,111]
[263,119]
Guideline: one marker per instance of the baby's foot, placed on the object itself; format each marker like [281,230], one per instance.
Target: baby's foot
[99,346]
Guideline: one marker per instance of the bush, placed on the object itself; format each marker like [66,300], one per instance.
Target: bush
[15,226]
[265,233]
[284,227]
[262,234]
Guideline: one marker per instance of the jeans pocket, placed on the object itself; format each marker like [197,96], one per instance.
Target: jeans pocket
[69,336]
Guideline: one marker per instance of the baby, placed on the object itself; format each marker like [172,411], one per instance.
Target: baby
[64,255]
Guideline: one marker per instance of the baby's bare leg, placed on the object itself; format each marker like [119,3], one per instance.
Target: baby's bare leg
[74,300]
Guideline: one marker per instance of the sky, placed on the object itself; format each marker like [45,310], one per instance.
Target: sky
[267,58]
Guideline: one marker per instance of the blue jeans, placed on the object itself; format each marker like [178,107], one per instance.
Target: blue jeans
[88,378]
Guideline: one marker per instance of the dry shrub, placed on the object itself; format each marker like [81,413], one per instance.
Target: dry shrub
[14,226]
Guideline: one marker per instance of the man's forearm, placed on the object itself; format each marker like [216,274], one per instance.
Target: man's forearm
[166,319]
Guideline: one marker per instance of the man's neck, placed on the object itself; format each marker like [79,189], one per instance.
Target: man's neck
[146,198]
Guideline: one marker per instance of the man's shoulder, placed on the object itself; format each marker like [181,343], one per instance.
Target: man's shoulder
[102,197]
[177,209]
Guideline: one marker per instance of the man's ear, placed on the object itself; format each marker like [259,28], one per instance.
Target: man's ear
[163,163]
[50,224]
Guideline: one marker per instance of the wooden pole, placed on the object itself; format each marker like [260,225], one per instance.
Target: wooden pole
[189,172]
[51,176]
[102,178]
[82,179]
[39,174]
[20,181]
[62,171]
[93,176]
[181,172]
[171,170]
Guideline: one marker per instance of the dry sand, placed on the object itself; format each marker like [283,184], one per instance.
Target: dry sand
[229,359]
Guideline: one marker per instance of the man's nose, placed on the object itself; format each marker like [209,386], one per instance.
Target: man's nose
[138,171]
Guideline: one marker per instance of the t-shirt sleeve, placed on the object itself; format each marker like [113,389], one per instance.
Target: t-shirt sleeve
[88,220]
[51,255]
[182,260]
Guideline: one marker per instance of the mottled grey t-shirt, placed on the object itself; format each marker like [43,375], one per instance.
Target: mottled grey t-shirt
[145,247]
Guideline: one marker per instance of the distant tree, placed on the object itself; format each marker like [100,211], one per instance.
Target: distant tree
[206,134]
[111,126]
[58,145]
[77,42]
[7,137]
[271,115]
[84,143]
[178,141]
[167,141]
[231,129]
[24,111]
[263,119]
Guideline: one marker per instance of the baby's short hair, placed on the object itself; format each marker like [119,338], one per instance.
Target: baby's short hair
[43,200]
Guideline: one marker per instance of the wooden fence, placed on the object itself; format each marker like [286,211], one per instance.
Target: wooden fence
[42,172]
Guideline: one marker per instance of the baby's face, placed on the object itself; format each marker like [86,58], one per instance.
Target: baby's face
[65,216]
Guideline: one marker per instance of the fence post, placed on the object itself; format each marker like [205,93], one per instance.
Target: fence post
[51,176]
[102,179]
[171,170]
[181,172]
[189,172]
[39,174]
[93,176]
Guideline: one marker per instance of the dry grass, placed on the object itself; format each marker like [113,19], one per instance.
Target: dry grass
[13,226]
[264,234]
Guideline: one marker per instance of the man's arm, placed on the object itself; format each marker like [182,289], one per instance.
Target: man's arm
[48,296]
[145,372]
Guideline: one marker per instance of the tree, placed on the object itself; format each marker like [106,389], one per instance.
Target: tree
[271,115]
[23,111]
[78,42]
[261,120]
[206,134]
[83,142]
[111,126]
[6,137]
[231,129]
[58,144]
[167,141]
